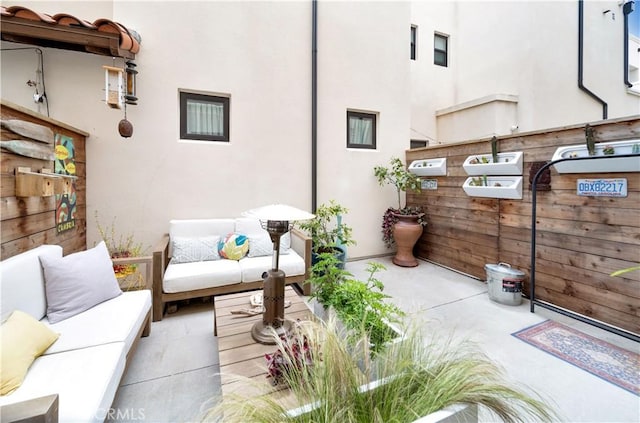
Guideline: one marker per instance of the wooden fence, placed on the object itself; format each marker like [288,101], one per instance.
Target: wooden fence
[580,239]
[29,221]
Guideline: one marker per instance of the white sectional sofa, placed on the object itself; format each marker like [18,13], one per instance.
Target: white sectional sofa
[206,275]
[85,364]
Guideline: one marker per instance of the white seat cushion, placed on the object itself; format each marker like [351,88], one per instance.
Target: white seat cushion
[116,320]
[253,267]
[200,275]
[86,381]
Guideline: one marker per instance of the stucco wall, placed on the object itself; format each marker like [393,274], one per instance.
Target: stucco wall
[258,53]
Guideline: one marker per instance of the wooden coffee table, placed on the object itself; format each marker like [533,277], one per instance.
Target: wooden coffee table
[240,355]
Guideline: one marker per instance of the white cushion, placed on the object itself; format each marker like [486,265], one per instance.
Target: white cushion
[22,282]
[199,275]
[79,281]
[86,381]
[253,267]
[116,320]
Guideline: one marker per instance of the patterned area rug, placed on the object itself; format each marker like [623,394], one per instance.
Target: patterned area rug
[611,363]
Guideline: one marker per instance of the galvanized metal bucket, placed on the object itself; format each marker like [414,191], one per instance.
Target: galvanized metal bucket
[505,283]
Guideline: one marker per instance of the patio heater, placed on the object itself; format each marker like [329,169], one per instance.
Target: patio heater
[277,220]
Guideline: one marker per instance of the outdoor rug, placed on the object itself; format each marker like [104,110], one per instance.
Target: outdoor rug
[609,362]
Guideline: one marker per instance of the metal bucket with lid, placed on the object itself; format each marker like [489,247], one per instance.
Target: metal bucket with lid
[505,283]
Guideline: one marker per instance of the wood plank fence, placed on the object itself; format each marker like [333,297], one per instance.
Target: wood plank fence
[580,239]
[27,222]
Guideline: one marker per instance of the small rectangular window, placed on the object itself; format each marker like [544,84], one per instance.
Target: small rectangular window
[440,49]
[414,39]
[418,144]
[204,117]
[361,130]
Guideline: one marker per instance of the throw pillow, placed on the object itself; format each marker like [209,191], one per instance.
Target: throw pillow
[234,246]
[260,245]
[189,250]
[22,340]
[79,281]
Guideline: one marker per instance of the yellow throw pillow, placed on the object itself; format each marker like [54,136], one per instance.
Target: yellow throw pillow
[22,340]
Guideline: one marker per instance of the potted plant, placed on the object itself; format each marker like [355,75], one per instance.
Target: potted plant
[415,380]
[402,225]
[327,232]
[123,251]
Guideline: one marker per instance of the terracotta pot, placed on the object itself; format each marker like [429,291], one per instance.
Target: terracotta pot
[406,233]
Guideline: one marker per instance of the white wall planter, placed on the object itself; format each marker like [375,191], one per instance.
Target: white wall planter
[496,187]
[429,167]
[508,164]
[612,164]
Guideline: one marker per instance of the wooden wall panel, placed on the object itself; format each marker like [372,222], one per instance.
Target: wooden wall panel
[580,240]
[27,222]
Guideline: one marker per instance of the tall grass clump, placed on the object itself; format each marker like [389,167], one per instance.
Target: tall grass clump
[414,379]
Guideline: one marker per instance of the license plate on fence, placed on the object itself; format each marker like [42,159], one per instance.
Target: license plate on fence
[602,187]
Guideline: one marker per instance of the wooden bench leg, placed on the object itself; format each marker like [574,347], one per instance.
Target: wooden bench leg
[215,320]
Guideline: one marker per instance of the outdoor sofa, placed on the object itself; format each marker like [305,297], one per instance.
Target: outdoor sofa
[94,327]
[187,264]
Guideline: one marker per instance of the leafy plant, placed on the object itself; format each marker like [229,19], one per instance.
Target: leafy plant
[403,180]
[294,354]
[398,176]
[357,303]
[324,229]
[414,380]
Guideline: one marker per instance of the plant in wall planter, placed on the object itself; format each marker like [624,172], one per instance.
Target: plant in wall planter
[403,225]
[328,233]
[429,167]
[602,149]
[494,186]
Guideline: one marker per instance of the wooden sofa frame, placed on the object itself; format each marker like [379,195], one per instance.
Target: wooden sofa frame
[300,242]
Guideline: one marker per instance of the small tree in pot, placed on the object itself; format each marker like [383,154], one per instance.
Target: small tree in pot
[402,225]
[328,233]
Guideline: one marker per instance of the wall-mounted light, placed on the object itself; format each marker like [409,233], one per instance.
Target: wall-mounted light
[130,95]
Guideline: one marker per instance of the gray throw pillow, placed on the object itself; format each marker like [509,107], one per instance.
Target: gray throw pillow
[79,281]
[189,250]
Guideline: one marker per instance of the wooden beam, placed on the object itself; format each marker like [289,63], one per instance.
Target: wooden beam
[61,36]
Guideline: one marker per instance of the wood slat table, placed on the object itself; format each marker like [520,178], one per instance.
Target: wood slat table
[240,355]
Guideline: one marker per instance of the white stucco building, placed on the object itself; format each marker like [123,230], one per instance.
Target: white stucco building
[510,66]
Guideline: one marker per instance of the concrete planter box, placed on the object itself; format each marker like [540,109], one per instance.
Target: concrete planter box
[429,167]
[508,164]
[497,187]
[611,164]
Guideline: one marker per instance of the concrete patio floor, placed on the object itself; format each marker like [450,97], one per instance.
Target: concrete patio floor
[173,376]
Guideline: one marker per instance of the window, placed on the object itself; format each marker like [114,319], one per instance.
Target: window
[204,117]
[414,39]
[418,144]
[440,49]
[361,130]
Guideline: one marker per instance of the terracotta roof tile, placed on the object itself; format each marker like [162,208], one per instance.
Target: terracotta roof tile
[70,20]
[129,39]
[23,12]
